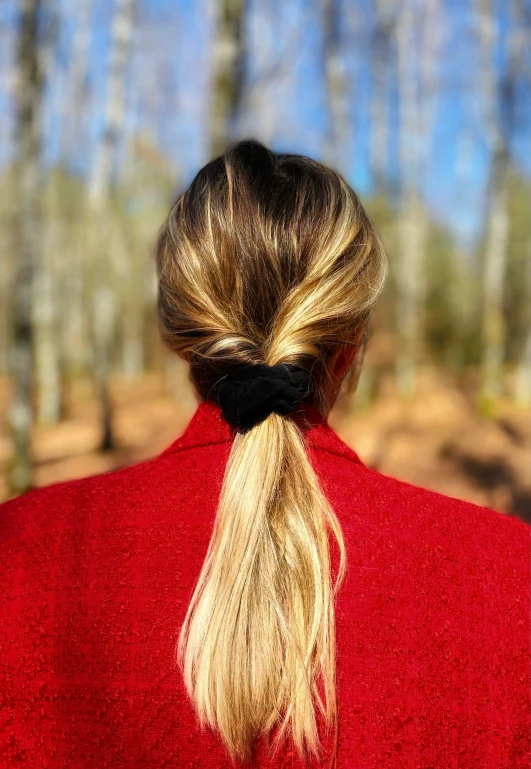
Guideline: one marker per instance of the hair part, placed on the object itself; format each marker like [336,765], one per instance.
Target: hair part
[266,258]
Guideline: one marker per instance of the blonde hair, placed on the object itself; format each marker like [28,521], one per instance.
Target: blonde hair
[266,258]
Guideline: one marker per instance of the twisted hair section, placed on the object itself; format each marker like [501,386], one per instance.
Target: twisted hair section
[266,258]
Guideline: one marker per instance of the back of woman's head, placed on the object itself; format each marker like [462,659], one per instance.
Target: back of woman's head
[266,258]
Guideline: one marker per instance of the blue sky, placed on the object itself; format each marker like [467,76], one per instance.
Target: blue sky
[168,92]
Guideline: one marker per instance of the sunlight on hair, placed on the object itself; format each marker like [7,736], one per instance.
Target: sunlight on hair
[266,259]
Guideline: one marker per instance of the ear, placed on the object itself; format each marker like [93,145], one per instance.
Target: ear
[346,355]
[343,360]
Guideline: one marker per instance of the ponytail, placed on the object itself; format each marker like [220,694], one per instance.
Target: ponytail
[260,630]
[266,260]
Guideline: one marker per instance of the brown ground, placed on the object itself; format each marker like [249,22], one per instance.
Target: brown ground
[436,440]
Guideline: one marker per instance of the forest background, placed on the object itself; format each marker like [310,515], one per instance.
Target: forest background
[107,110]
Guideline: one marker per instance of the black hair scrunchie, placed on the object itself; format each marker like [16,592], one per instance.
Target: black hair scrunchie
[250,392]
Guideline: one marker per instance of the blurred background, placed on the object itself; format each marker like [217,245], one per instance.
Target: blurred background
[107,110]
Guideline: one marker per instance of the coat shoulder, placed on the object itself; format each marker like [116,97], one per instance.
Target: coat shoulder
[44,508]
[428,519]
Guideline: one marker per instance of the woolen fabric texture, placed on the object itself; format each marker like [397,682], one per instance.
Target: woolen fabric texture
[249,393]
[433,619]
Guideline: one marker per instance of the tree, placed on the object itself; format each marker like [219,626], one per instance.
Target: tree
[75,108]
[337,85]
[498,91]
[523,374]
[382,45]
[104,250]
[523,378]
[27,236]
[228,56]
[45,304]
[416,86]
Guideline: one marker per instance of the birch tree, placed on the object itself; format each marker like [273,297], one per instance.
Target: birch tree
[416,85]
[497,235]
[523,375]
[227,62]
[74,112]
[337,83]
[104,269]
[27,237]
[498,96]
[45,306]
[382,50]
[523,371]
[8,78]
[76,105]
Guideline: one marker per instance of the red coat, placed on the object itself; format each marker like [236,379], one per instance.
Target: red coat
[433,620]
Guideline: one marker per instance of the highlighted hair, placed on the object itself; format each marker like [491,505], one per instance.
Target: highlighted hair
[266,258]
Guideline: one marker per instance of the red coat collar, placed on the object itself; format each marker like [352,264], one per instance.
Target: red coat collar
[208,427]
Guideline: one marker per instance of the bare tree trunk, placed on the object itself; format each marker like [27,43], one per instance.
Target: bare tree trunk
[47,339]
[523,382]
[380,102]
[27,227]
[521,42]
[103,309]
[45,306]
[523,373]
[228,72]
[7,261]
[102,178]
[410,284]
[494,272]
[337,90]
[75,105]
[499,106]
[410,244]
[495,250]
[416,119]
[74,332]
[465,290]
[133,356]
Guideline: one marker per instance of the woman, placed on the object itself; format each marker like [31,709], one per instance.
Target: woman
[256,594]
